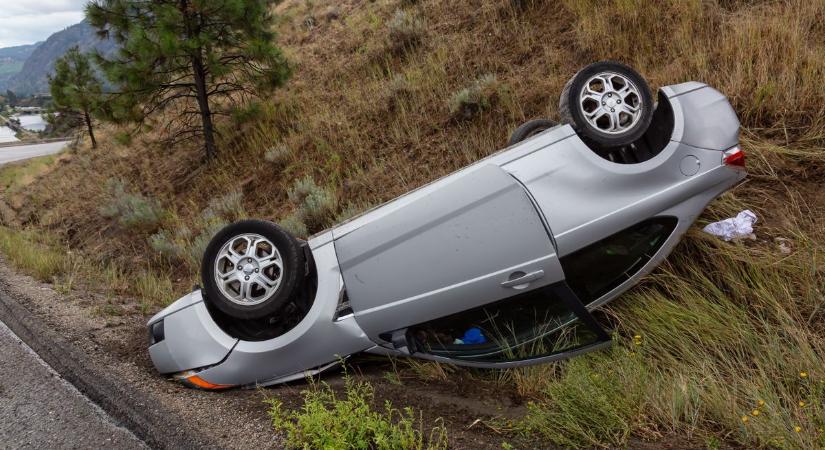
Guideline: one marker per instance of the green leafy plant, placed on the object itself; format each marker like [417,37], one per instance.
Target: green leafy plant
[328,421]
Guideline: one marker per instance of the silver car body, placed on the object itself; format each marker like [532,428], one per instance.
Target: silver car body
[482,234]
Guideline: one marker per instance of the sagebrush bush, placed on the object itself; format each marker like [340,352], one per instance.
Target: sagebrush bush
[481,95]
[315,206]
[228,207]
[279,155]
[326,421]
[183,245]
[294,225]
[132,210]
[405,30]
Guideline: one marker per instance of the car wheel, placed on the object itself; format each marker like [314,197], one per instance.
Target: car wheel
[530,129]
[607,103]
[251,269]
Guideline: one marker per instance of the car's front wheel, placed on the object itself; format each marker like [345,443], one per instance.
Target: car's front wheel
[251,269]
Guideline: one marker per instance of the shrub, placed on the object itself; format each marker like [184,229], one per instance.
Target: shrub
[193,253]
[123,138]
[405,30]
[183,246]
[229,207]
[131,210]
[164,243]
[279,155]
[247,113]
[326,421]
[481,95]
[294,225]
[397,90]
[315,205]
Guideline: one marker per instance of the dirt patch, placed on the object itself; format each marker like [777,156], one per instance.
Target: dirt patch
[116,346]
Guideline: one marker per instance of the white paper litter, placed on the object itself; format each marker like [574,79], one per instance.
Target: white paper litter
[736,227]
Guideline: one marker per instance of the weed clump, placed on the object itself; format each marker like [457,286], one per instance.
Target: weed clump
[481,95]
[229,207]
[294,225]
[404,31]
[315,206]
[279,155]
[134,211]
[327,421]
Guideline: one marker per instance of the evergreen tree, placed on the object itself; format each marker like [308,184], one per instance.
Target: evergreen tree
[75,88]
[191,59]
[11,97]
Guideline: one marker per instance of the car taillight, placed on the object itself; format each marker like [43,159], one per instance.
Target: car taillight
[734,157]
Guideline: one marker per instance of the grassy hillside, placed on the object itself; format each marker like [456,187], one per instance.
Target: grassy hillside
[724,343]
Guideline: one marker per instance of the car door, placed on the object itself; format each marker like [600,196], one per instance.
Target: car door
[472,239]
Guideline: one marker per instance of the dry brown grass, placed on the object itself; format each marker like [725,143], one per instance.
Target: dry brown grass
[368,122]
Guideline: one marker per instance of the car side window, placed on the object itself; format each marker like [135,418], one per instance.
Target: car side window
[600,267]
[528,326]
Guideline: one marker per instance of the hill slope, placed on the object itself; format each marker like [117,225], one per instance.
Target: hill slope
[11,61]
[711,347]
[32,78]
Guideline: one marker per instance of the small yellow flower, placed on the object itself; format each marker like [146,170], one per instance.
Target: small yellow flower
[801,404]
[803,374]
[797,428]
[637,337]
[755,412]
[745,419]
[821,429]
[761,403]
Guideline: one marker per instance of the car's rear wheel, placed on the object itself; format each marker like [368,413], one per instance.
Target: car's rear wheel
[529,129]
[251,269]
[607,103]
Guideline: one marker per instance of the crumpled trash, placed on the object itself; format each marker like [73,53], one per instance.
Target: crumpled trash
[736,227]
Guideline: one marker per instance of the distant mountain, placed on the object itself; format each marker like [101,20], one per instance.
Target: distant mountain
[12,59]
[33,76]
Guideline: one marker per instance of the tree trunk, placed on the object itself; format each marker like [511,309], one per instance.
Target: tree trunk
[89,127]
[203,104]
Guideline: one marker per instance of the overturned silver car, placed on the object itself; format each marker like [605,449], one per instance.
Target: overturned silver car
[496,265]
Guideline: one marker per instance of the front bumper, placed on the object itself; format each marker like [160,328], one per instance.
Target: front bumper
[195,350]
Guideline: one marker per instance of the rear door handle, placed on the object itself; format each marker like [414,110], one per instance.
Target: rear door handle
[521,282]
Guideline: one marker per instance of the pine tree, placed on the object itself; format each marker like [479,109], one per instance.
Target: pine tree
[75,88]
[190,59]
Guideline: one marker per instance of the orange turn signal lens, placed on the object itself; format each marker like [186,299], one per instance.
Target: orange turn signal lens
[193,380]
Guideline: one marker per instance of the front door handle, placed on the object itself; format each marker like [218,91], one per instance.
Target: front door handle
[520,280]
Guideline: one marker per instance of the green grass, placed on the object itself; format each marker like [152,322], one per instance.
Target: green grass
[33,252]
[724,332]
[350,420]
[41,255]
[15,176]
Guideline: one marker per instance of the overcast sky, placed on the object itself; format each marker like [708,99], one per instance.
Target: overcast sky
[30,21]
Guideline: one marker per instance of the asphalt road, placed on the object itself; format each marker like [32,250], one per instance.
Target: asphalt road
[18,152]
[38,409]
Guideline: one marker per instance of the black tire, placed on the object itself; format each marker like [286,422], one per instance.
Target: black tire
[529,129]
[571,110]
[292,273]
